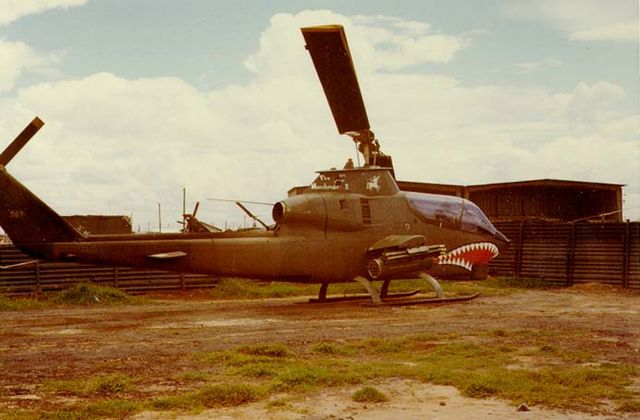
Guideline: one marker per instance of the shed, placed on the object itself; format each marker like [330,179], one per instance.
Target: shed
[540,199]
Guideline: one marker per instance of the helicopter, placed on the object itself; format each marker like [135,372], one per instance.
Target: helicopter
[349,224]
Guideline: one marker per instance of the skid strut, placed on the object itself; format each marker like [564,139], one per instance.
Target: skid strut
[434,283]
[375,295]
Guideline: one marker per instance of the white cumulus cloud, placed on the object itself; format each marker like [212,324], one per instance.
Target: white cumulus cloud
[376,43]
[12,10]
[117,145]
[17,58]
[583,20]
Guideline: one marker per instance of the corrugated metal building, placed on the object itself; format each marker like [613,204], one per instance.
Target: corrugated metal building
[540,199]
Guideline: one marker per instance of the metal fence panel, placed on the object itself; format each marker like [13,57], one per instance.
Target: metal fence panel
[556,253]
[43,277]
[565,254]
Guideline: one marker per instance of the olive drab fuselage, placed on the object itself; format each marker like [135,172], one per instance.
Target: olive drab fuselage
[323,235]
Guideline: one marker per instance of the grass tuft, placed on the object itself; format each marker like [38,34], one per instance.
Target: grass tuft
[92,294]
[268,350]
[369,394]
[235,288]
[19,304]
[100,385]
[218,395]
[331,349]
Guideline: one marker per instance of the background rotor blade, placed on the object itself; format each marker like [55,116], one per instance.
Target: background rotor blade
[251,215]
[18,143]
[331,58]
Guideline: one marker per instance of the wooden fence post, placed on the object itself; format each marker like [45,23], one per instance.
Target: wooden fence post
[517,255]
[571,255]
[627,254]
[37,289]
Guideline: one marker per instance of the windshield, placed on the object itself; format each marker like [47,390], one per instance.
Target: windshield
[450,211]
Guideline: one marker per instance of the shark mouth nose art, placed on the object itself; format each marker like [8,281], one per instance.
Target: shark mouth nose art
[468,255]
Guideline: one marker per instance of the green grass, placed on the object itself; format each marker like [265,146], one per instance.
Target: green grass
[20,304]
[110,408]
[268,350]
[92,294]
[99,385]
[234,288]
[78,294]
[195,376]
[369,394]
[332,349]
[520,366]
[486,366]
[211,396]
[493,286]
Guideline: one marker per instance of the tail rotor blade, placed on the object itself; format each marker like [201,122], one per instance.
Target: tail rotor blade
[195,209]
[332,60]
[18,143]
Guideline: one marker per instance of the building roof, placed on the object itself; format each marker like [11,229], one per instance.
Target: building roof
[545,183]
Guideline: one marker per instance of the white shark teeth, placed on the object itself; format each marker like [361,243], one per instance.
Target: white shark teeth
[459,256]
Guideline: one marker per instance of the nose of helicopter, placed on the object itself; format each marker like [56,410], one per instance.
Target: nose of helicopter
[501,241]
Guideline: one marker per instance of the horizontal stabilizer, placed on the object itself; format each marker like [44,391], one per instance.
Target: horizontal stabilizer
[168,255]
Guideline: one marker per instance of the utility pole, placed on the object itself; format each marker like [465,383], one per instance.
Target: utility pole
[159,219]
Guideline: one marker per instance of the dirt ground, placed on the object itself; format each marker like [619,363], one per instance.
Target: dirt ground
[154,339]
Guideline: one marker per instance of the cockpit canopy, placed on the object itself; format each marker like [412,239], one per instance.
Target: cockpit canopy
[450,211]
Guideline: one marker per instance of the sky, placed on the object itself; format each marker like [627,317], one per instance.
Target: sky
[142,98]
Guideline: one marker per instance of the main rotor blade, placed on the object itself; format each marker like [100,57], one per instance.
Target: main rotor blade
[262,203]
[18,143]
[332,60]
[251,215]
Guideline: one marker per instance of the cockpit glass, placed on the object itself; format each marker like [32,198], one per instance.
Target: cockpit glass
[450,211]
[473,219]
[437,208]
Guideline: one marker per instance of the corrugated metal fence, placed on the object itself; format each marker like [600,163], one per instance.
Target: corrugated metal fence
[558,253]
[566,254]
[41,277]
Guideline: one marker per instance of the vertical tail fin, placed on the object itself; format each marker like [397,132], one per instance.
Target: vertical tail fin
[27,219]
[24,217]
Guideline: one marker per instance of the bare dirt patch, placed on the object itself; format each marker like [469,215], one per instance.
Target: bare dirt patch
[44,353]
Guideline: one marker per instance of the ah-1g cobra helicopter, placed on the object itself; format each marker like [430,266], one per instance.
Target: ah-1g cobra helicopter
[348,224]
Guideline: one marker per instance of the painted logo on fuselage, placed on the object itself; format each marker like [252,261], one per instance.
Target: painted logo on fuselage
[373,184]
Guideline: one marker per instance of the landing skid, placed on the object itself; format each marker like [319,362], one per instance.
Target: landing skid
[392,299]
[421,301]
[363,297]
